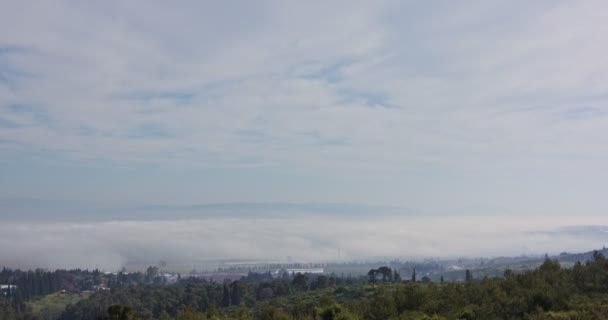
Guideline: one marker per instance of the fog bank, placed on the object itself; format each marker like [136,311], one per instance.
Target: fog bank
[110,245]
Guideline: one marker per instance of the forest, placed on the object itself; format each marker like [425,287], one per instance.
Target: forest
[549,292]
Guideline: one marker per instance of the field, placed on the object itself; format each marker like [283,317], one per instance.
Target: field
[51,306]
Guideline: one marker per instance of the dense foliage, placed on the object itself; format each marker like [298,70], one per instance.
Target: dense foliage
[550,292]
[25,286]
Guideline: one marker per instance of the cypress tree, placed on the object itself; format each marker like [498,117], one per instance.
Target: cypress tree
[225,296]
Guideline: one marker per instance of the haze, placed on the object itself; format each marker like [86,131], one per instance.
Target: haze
[259,130]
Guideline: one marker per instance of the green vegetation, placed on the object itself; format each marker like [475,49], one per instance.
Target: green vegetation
[51,306]
[549,292]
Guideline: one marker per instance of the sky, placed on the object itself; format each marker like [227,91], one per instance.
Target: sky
[150,114]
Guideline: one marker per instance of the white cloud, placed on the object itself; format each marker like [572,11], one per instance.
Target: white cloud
[109,245]
[457,75]
[439,104]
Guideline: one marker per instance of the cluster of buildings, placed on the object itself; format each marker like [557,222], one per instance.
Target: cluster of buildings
[5,287]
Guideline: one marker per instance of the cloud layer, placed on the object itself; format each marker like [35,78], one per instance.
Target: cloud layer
[236,84]
[457,108]
[314,238]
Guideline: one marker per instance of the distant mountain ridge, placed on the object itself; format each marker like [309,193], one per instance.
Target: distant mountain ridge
[58,211]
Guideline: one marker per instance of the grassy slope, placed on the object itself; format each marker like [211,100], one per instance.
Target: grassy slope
[51,306]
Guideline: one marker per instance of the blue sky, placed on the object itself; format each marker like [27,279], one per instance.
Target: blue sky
[446,108]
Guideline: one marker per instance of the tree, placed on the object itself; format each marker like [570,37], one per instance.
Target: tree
[550,266]
[151,273]
[273,313]
[372,275]
[468,276]
[414,275]
[237,292]
[225,296]
[334,311]
[212,312]
[266,294]
[300,282]
[382,305]
[120,312]
[386,272]
[243,314]
[299,311]
[320,282]
[396,276]
[190,314]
